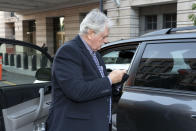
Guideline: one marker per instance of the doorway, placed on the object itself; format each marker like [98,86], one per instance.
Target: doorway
[59,32]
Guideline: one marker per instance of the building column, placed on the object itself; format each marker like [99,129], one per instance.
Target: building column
[44,33]
[2,25]
[40,31]
[19,30]
[125,20]
[184,9]
[134,27]
[50,36]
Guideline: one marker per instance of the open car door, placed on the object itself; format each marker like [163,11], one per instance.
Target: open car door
[24,100]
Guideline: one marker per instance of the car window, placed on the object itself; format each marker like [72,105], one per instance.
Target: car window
[170,66]
[19,64]
[118,59]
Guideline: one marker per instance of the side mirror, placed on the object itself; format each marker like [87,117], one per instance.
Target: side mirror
[43,74]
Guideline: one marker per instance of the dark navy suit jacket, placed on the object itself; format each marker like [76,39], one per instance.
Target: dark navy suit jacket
[80,94]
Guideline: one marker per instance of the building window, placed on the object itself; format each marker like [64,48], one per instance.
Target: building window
[169,21]
[151,22]
[12,14]
[32,26]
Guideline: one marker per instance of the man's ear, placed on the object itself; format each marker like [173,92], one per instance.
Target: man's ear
[91,33]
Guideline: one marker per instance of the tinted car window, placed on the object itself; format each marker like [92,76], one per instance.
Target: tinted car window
[19,64]
[170,66]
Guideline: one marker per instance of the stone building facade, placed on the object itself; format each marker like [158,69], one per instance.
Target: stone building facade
[131,19]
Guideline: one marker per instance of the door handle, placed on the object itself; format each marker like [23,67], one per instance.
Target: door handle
[41,101]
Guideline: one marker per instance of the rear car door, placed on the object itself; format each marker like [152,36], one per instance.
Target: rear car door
[24,100]
[160,94]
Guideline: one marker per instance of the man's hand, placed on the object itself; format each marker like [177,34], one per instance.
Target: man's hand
[116,75]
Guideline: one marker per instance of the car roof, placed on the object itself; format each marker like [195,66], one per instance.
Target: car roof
[164,34]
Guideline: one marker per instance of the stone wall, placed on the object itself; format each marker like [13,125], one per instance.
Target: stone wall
[121,18]
[2,24]
[158,10]
[128,19]
[142,3]
[184,8]
[44,24]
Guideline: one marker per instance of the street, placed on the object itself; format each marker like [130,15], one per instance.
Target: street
[10,78]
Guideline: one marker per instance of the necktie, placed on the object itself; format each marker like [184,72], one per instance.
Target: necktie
[100,68]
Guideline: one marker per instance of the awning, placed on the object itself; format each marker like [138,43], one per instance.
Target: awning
[32,6]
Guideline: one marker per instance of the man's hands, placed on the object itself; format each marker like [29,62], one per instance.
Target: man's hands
[116,75]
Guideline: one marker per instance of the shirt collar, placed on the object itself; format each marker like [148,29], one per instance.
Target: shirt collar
[87,46]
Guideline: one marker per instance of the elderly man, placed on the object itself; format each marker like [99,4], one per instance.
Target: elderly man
[81,89]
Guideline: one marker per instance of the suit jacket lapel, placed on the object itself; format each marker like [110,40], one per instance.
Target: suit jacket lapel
[88,55]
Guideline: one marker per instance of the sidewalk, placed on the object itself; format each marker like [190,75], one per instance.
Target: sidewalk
[19,70]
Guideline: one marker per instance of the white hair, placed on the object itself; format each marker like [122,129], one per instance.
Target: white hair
[96,21]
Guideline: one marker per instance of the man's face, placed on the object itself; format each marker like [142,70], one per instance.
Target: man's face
[97,40]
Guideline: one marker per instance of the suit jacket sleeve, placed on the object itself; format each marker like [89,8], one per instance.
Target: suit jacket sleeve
[116,90]
[68,73]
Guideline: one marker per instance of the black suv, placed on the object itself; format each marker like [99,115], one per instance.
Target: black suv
[160,94]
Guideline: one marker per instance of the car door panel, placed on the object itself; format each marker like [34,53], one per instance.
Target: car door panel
[24,99]
[2,127]
[20,106]
[144,110]
[13,95]
[160,93]
[21,115]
